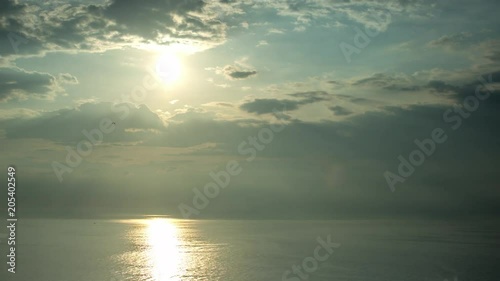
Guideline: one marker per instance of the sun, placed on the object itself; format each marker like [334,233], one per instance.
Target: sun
[169,67]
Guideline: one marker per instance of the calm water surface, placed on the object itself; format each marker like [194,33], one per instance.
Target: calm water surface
[158,249]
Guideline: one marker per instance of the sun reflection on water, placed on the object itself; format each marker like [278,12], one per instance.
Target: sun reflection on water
[164,255]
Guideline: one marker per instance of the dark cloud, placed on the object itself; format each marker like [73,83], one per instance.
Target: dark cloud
[326,168]
[311,97]
[442,87]
[459,92]
[334,82]
[241,74]
[154,19]
[337,169]
[388,82]
[405,83]
[491,51]
[481,86]
[355,99]
[234,72]
[10,7]
[17,83]
[364,101]
[264,106]
[99,27]
[340,111]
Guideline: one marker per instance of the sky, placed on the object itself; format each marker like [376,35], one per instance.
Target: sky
[251,109]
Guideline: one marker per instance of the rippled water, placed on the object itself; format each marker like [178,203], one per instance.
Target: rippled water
[160,249]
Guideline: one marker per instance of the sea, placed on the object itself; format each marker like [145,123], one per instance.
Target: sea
[161,249]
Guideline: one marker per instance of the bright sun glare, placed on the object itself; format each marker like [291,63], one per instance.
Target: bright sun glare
[164,255]
[169,67]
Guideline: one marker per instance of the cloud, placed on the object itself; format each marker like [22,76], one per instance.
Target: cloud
[265,106]
[78,26]
[262,43]
[275,31]
[317,166]
[10,8]
[371,14]
[18,113]
[442,87]
[225,104]
[387,81]
[300,28]
[323,166]
[66,78]
[400,82]
[340,111]
[66,125]
[240,69]
[490,50]
[21,84]
[232,72]
[117,23]
[311,97]
[451,41]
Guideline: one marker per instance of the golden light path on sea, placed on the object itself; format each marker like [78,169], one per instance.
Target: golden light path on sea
[165,257]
